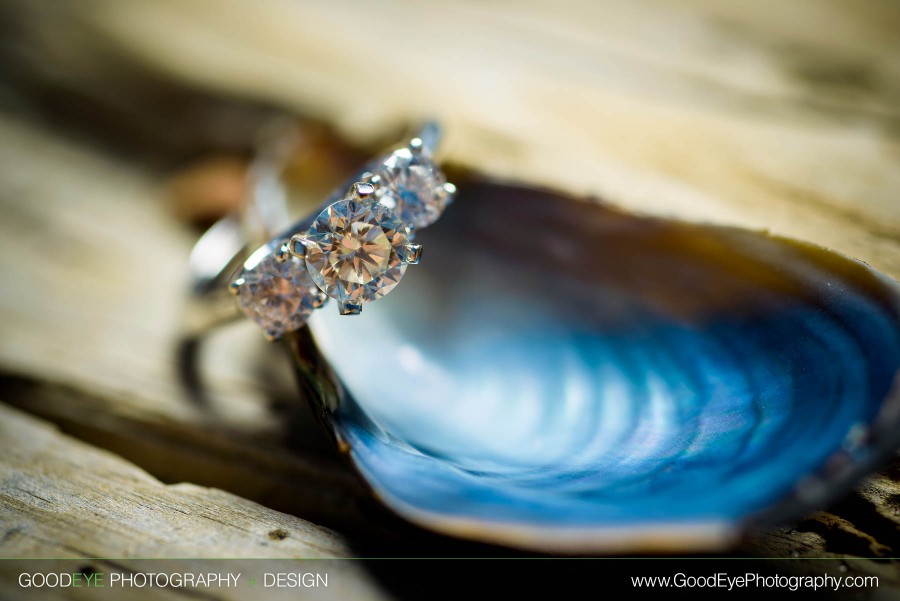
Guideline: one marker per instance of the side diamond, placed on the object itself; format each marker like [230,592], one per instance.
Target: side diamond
[277,294]
[413,187]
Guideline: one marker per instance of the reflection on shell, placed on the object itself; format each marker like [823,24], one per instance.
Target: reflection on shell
[557,374]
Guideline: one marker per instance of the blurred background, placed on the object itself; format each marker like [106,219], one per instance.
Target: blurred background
[771,115]
[126,126]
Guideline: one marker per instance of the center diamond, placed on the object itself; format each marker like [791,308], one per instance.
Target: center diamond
[355,250]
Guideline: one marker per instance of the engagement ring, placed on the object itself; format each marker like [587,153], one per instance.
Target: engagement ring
[354,250]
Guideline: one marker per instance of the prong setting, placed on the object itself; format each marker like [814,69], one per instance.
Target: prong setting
[319,298]
[282,253]
[371,178]
[416,145]
[349,307]
[449,192]
[297,246]
[363,191]
[411,253]
[235,286]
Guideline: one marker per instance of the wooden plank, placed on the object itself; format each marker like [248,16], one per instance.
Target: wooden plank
[61,498]
[284,478]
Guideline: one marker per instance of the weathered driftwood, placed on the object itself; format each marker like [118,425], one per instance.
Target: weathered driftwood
[718,112]
[88,508]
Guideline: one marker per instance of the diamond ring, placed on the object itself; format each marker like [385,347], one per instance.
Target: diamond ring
[355,249]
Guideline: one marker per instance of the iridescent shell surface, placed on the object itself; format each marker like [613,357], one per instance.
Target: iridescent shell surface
[556,374]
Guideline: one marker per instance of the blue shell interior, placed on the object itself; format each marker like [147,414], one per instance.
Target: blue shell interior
[554,363]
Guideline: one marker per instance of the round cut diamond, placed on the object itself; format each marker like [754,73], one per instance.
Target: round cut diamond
[354,250]
[278,295]
[413,187]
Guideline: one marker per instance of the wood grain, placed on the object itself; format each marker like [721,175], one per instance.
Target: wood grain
[61,498]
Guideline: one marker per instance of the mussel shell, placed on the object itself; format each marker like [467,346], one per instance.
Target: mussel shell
[557,374]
